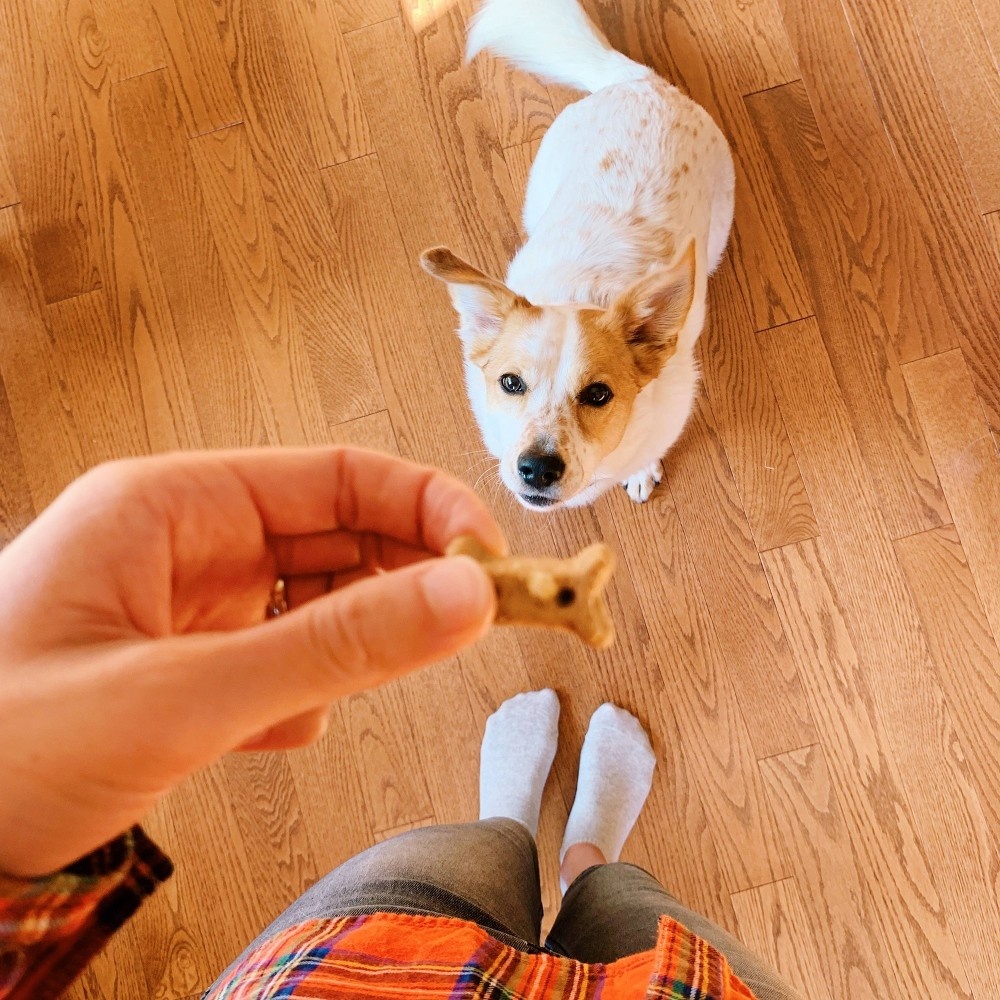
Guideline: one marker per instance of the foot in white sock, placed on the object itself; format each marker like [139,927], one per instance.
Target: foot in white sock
[616,774]
[518,749]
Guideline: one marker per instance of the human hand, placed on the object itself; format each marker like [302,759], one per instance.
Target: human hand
[133,642]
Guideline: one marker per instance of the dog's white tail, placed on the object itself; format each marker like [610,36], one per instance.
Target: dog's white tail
[553,39]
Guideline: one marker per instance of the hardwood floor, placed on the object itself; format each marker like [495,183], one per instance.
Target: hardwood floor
[210,217]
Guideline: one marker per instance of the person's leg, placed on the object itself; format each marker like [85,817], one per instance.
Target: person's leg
[610,909]
[486,872]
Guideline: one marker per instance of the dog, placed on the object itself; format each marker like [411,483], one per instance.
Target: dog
[580,366]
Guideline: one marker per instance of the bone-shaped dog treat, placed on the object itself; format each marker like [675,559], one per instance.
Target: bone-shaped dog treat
[557,593]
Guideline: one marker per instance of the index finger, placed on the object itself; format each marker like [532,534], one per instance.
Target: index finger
[307,490]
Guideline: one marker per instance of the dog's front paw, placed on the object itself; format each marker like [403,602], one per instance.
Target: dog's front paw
[641,485]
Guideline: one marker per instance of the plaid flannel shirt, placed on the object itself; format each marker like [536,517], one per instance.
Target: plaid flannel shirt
[50,928]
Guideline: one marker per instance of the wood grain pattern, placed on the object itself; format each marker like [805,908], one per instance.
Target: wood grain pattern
[965,653]
[324,80]
[928,153]
[282,150]
[772,921]
[266,807]
[258,287]
[966,457]
[696,684]
[397,299]
[198,63]
[16,508]
[853,330]
[387,756]
[751,642]
[184,943]
[38,404]
[842,910]
[960,60]
[8,189]
[888,221]
[39,103]
[907,702]
[355,14]
[747,419]
[989,19]
[102,391]
[149,123]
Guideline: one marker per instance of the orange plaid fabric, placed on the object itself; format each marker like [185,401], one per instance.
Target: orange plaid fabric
[398,957]
[50,929]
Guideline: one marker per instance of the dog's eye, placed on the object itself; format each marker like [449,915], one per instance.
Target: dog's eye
[596,394]
[512,384]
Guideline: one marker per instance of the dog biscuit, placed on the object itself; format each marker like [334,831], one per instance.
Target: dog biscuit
[553,593]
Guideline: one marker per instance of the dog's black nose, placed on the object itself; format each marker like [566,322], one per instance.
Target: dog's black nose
[540,470]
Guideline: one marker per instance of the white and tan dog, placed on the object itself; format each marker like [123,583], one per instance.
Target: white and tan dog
[580,368]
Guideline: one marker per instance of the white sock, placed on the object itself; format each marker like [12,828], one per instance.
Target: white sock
[616,774]
[518,749]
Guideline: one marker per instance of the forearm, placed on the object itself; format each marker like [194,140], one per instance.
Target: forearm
[50,928]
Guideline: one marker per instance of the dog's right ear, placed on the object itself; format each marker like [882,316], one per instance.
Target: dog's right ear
[482,302]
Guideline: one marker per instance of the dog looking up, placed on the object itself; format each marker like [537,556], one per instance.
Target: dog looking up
[580,367]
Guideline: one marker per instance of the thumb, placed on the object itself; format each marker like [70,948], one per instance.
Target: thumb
[349,640]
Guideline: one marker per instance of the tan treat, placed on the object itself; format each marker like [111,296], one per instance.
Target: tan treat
[554,593]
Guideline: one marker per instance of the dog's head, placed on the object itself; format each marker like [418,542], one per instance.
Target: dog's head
[559,381]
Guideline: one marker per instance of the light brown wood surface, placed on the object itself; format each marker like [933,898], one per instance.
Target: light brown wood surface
[210,217]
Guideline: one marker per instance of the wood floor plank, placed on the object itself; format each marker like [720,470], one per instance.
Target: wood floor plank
[968,83]
[696,683]
[747,419]
[184,942]
[967,659]
[265,803]
[989,19]
[751,642]
[669,38]
[926,148]
[8,189]
[324,79]
[888,221]
[519,102]
[772,921]
[41,412]
[149,122]
[16,508]
[101,387]
[466,135]
[330,796]
[387,754]
[906,700]
[127,29]
[283,153]
[863,356]
[258,287]
[993,223]
[39,105]
[198,63]
[966,457]
[848,918]
[356,14]
[374,432]
[409,322]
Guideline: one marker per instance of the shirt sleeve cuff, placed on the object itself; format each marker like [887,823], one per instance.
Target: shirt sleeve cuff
[51,927]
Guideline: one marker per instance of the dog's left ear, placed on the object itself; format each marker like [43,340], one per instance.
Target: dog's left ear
[652,312]
[482,302]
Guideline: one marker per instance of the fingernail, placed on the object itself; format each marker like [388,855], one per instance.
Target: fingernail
[458,592]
